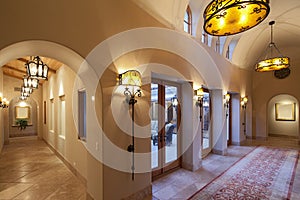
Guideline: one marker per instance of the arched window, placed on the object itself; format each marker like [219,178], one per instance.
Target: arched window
[187,24]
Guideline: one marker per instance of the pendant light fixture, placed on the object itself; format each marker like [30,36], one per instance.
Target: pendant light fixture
[229,17]
[30,82]
[36,68]
[272,59]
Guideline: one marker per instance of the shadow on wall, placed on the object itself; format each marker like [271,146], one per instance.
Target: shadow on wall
[283,116]
[20,110]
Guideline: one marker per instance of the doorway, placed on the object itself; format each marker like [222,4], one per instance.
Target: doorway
[165,126]
[205,123]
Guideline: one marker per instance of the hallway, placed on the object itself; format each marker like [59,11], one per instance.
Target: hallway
[182,184]
[30,170]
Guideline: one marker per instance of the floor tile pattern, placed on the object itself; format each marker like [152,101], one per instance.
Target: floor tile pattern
[29,170]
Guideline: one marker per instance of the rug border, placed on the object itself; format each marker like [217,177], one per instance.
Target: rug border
[293,177]
[255,147]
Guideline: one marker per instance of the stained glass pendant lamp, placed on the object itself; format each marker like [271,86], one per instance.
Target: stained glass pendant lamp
[272,59]
[229,17]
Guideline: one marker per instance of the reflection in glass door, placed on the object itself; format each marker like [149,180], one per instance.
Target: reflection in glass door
[165,112]
[206,133]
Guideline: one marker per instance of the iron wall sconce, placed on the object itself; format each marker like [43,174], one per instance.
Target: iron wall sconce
[226,104]
[132,81]
[244,101]
[3,103]
[199,95]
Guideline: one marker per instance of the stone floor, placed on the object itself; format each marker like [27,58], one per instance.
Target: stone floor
[30,170]
[181,184]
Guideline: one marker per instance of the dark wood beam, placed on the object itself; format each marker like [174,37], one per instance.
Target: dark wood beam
[11,75]
[14,69]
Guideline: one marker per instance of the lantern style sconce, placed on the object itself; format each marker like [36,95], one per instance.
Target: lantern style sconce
[199,94]
[36,68]
[132,81]
[244,101]
[3,102]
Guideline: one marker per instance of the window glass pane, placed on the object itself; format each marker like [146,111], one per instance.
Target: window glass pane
[82,115]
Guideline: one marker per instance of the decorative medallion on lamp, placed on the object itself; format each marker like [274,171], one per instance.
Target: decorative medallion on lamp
[36,68]
[132,81]
[229,17]
[31,82]
[272,59]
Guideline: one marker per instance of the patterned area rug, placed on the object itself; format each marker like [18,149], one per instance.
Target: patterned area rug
[265,173]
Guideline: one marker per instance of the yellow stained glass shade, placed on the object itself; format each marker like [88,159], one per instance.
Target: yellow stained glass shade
[230,17]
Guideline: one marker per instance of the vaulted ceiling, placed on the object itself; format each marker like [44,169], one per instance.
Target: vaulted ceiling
[252,43]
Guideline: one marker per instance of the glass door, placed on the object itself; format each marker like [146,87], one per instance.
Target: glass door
[205,123]
[165,118]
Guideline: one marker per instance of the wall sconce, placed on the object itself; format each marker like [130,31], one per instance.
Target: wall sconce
[244,101]
[226,98]
[226,104]
[132,81]
[3,103]
[199,95]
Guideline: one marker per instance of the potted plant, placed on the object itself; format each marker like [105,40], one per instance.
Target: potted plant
[22,123]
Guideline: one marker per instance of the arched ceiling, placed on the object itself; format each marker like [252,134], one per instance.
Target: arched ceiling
[252,43]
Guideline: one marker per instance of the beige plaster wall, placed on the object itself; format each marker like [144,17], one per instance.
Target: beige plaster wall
[72,149]
[265,87]
[275,127]
[1,112]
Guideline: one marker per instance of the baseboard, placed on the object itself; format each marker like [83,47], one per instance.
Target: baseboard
[70,167]
[220,152]
[140,195]
[240,143]
[285,136]
[191,167]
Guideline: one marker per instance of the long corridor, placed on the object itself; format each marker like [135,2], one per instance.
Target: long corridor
[30,170]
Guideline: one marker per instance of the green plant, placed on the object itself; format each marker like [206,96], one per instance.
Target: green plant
[22,123]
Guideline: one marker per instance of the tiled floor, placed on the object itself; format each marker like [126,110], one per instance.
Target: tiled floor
[182,184]
[30,170]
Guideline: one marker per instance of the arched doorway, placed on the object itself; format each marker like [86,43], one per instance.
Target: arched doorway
[22,111]
[283,116]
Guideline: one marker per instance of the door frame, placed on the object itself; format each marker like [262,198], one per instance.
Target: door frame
[162,166]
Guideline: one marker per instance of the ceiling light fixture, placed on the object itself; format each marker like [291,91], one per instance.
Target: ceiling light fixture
[31,82]
[36,68]
[229,17]
[269,61]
